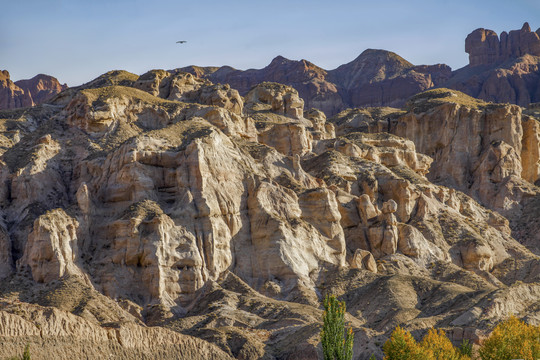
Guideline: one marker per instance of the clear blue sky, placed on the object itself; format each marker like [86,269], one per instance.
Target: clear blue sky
[77,41]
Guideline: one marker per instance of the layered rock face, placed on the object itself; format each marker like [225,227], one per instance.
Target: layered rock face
[166,200]
[488,151]
[514,81]
[25,93]
[53,333]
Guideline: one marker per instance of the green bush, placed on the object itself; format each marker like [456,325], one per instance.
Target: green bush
[337,343]
[465,348]
[26,354]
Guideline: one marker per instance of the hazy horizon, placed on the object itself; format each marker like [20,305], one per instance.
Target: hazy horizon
[77,41]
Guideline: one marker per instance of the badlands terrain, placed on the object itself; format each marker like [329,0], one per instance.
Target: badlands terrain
[204,213]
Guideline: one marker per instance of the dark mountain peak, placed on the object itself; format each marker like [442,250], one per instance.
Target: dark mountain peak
[372,60]
[371,65]
[279,60]
[382,56]
[285,70]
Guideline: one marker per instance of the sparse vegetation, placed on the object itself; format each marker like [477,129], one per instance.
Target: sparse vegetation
[114,77]
[25,356]
[369,115]
[99,96]
[337,342]
[465,348]
[424,101]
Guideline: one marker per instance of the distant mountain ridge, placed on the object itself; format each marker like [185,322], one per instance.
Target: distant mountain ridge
[30,92]
[375,78]
[503,69]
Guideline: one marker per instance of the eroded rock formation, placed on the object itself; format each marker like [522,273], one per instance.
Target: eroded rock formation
[488,151]
[12,96]
[486,48]
[166,200]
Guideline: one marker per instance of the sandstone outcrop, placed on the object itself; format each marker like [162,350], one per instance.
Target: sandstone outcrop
[530,156]
[187,88]
[280,99]
[513,81]
[489,151]
[485,48]
[12,96]
[321,128]
[478,149]
[501,69]
[171,202]
[52,248]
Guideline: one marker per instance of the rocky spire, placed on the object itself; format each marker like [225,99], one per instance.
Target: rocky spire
[485,47]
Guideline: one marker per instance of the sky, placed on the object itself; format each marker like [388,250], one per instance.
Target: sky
[76,41]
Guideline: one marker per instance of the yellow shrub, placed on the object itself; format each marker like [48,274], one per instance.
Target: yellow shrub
[440,346]
[512,339]
[402,346]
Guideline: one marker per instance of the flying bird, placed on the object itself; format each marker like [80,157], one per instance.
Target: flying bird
[181,42]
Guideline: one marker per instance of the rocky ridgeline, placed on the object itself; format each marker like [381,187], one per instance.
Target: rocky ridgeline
[165,206]
[374,78]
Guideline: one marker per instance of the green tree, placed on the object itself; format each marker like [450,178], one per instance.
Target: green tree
[337,343]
